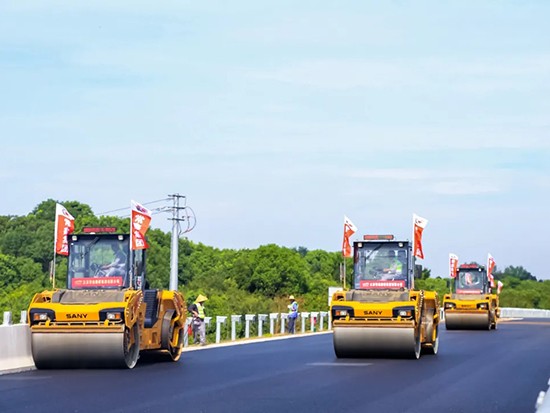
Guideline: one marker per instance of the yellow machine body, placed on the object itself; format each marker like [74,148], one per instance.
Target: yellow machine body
[383,316]
[477,312]
[104,326]
[471,305]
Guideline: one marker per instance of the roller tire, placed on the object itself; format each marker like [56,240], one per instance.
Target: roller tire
[432,348]
[169,329]
[131,349]
[432,332]
[417,347]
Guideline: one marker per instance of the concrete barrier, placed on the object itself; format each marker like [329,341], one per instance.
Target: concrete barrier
[15,348]
[523,313]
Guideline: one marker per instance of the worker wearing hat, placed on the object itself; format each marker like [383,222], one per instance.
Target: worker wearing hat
[292,314]
[199,328]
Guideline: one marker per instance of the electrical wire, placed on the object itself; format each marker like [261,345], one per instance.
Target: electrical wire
[125,208]
[188,214]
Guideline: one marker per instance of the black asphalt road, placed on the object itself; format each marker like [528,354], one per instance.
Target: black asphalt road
[475,372]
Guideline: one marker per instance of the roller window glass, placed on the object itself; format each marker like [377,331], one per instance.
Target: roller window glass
[98,262]
[381,262]
[471,279]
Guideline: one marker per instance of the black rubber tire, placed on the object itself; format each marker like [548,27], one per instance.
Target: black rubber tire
[168,331]
[432,348]
[131,350]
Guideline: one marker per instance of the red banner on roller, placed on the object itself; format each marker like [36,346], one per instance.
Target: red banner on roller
[96,282]
[381,285]
[349,230]
[140,221]
[491,264]
[419,224]
[64,225]
[464,291]
[453,265]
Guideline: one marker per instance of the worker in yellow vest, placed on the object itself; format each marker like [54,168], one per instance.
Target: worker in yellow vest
[199,327]
[292,314]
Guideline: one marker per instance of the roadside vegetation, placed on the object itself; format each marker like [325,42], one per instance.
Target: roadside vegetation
[245,281]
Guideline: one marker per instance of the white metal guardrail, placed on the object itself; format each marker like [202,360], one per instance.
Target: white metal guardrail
[314,321]
[15,352]
[15,346]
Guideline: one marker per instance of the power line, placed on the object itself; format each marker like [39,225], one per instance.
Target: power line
[125,208]
[188,214]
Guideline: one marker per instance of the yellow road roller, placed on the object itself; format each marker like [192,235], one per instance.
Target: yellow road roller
[471,305]
[383,315]
[105,317]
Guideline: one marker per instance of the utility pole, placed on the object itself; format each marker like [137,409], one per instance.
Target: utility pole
[175,240]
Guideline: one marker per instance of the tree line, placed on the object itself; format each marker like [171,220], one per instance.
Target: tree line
[237,281]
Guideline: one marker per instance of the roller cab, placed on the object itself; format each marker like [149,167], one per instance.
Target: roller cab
[105,317]
[383,315]
[471,305]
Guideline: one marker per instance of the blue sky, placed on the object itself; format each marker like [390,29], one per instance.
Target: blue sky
[276,119]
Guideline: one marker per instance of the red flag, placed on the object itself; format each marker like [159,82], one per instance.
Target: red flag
[140,221]
[500,284]
[490,267]
[349,230]
[64,225]
[419,224]
[453,265]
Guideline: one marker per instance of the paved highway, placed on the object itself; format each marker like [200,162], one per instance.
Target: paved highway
[476,371]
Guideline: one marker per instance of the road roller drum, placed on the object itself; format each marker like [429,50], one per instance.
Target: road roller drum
[465,321]
[364,342]
[85,350]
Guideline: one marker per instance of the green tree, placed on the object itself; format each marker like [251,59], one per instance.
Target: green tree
[519,273]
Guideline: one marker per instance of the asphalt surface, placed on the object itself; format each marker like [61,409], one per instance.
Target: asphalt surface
[475,371]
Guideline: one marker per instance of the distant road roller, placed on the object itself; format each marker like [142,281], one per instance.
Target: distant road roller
[471,305]
[105,317]
[383,315]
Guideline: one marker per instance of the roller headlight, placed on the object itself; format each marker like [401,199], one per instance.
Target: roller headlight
[111,314]
[114,316]
[341,312]
[450,306]
[40,315]
[403,312]
[482,306]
